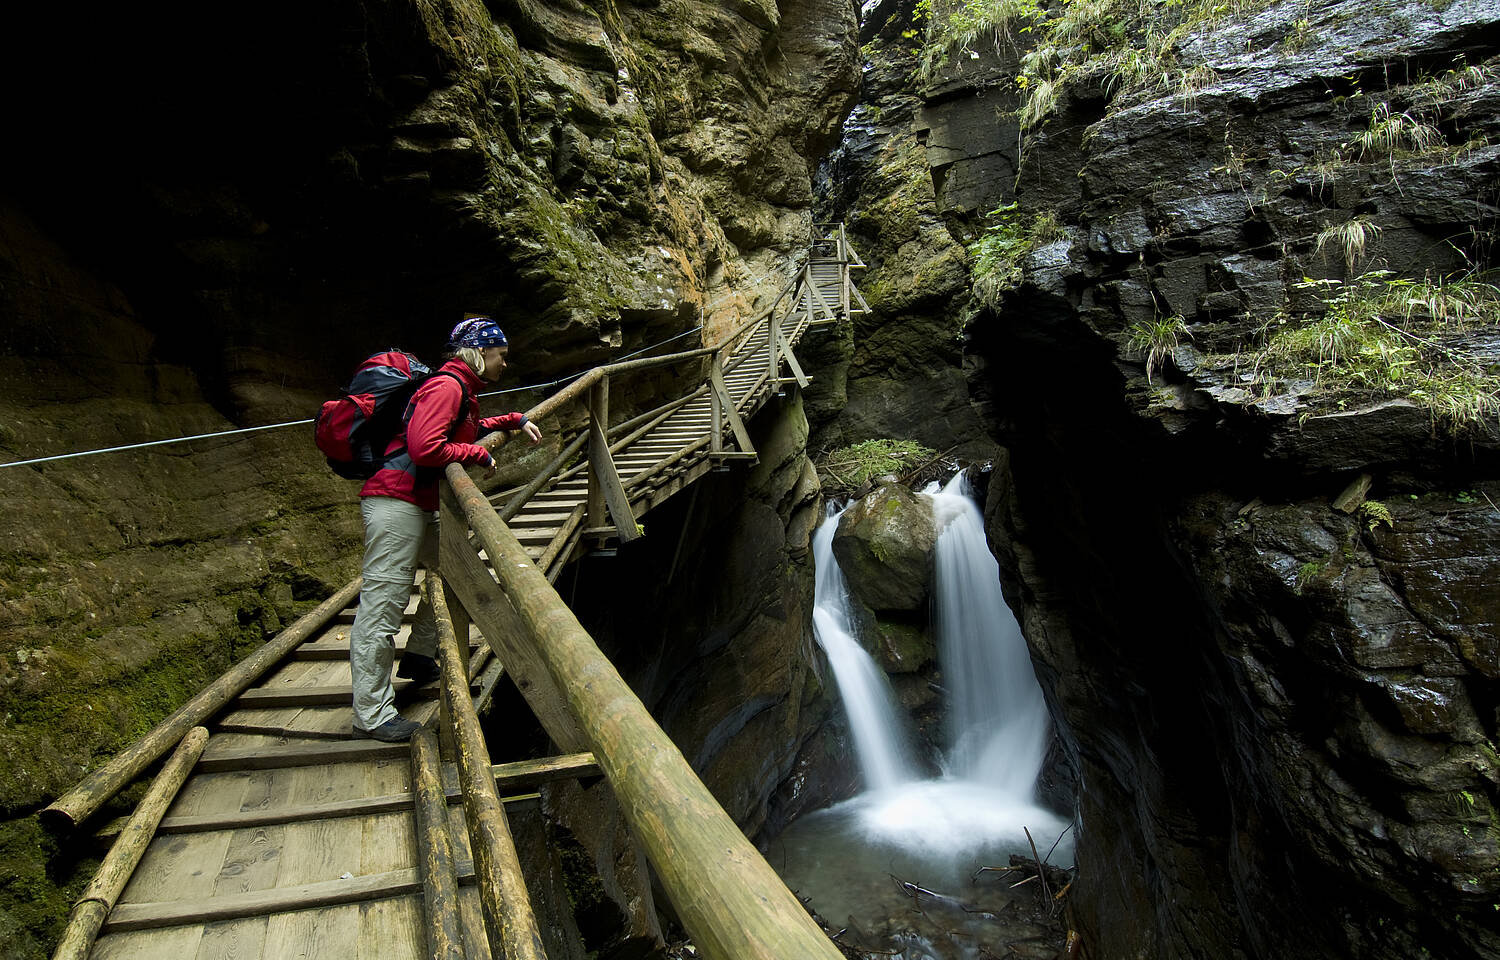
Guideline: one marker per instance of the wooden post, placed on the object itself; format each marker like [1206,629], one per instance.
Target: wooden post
[508,916]
[730,901]
[466,574]
[598,426]
[95,790]
[99,897]
[435,851]
[605,490]
[773,338]
[716,403]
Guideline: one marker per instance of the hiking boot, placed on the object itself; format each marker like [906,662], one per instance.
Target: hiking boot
[416,667]
[398,729]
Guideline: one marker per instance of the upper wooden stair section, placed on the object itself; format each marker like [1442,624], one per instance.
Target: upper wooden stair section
[628,468]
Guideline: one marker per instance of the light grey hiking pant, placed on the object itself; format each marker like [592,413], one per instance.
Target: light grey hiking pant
[398,536]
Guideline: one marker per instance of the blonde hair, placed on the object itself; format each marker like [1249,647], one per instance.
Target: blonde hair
[473,357]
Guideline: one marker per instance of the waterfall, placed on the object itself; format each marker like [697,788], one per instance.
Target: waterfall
[999,726]
[863,688]
[998,719]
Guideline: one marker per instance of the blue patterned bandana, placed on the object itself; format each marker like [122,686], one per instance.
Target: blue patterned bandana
[477,332]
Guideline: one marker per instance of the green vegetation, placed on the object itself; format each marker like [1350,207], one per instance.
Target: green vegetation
[850,468]
[1128,44]
[1350,238]
[1157,340]
[998,251]
[1306,574]
[1374,513]
[1378,337]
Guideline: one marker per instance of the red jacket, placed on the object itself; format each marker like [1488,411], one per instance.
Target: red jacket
[437,433]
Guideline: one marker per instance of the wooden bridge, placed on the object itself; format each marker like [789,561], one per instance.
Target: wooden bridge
[268,832]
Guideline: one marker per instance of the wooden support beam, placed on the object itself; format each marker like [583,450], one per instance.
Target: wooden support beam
[791,361]
[604,482]
[435,851]
[507,907]
[77,804]
[726,402]
[728,898]
[468,578]
[99,897]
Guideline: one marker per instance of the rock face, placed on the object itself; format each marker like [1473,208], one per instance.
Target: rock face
[896,372]
[1278,709]
[204,235]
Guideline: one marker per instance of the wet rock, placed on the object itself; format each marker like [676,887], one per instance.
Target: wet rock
[885,546]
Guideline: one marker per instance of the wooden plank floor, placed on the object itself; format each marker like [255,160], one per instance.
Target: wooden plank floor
[292,838]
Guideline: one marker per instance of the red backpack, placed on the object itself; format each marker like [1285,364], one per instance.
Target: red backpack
[354,430]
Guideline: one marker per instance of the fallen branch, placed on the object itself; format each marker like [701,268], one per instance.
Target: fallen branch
[1040,872]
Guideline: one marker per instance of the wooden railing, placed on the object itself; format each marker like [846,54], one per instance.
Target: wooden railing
[727,897]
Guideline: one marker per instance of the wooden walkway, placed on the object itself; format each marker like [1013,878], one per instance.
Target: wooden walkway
[288,838]
[293,840]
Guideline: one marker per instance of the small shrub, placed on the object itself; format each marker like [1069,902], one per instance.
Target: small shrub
[1350,238]
[849,468]
[1390,134]
[1157,339]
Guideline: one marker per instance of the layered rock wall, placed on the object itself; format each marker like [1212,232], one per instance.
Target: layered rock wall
[1260,605]
[1278,708]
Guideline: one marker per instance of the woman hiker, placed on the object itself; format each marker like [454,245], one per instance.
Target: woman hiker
[399,506]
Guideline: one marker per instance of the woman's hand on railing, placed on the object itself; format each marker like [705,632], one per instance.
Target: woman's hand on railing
[532,432]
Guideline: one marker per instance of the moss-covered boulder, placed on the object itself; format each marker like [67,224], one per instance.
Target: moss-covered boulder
[884,544]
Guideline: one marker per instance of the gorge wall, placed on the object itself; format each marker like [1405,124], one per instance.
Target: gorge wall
[1256,571]
[209,215]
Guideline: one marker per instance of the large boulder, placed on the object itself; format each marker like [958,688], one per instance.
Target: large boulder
[884,545]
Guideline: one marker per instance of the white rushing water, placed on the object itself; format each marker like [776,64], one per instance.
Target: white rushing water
[998,720]
[879,743]
[984,803]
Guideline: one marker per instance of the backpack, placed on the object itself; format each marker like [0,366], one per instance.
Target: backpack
[354,430]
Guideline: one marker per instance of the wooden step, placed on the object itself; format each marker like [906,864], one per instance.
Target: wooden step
[339,650]
[270,757]
[538,518]
[269,698]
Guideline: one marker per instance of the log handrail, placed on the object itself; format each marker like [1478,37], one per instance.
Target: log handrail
[99,897]
[509,919]
[78,804]
[728,898]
